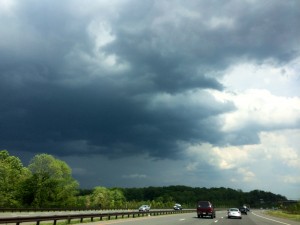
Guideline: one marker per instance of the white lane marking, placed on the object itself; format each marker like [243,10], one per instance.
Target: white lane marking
[216,221]
[181,219]
[270,219]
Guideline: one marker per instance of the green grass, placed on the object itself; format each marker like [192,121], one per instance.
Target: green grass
[281,214]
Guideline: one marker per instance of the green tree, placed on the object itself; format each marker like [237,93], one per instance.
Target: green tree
[100,197]
[107,198]
[51,183]
[12,174]
[117,198]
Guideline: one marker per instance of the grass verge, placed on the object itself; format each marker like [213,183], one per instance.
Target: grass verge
[281,214]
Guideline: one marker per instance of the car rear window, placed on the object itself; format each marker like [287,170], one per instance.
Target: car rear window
[203,204]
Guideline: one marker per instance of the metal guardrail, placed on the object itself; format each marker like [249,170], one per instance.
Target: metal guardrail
[50,209]
[37,219]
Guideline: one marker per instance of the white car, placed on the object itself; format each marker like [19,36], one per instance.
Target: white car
[144,208]
[177,207]
[234,213]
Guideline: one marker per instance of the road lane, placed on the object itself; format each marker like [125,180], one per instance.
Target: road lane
[175,219]
[233,221]
[257,217]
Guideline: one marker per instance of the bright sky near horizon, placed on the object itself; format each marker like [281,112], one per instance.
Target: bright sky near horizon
[135,93]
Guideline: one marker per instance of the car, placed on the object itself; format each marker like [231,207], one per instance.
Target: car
[144,208]
[177,207]
[234,213]
[205,208]
[243,210]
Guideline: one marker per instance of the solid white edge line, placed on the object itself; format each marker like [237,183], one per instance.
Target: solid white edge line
[270,219]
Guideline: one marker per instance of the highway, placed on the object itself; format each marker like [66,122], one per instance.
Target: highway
[253,218]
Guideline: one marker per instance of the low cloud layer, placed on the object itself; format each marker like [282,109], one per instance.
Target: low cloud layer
[205,86]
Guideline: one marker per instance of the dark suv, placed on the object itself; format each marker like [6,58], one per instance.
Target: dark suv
[205,208]
[243,210]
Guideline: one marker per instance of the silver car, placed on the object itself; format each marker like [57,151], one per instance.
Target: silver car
[177,207]
[144,208]
[234,213]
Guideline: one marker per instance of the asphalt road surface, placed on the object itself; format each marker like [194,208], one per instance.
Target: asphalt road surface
[253,218]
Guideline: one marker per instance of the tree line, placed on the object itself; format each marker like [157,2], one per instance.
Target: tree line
[47,182]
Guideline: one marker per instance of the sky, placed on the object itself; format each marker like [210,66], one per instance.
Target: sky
[138,93]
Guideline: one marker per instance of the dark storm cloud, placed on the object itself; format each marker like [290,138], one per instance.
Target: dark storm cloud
[57,97]
[217,34]
[99,113]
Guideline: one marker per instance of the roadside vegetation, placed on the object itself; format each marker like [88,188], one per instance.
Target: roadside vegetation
[47,182]
[288,212]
